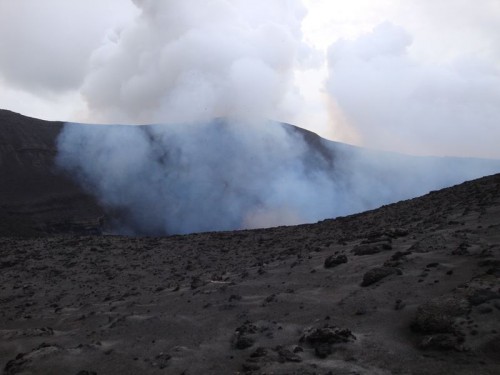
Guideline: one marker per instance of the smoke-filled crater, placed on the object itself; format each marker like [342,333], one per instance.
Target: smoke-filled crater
[228,174]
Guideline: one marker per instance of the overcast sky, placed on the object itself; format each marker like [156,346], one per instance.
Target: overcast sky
[416,76]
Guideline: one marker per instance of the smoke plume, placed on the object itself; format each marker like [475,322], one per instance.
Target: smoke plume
[186,61]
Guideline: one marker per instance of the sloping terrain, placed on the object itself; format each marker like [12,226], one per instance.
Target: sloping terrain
[36,197]
[410,288]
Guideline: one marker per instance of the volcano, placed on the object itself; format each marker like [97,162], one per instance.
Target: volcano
[408,288]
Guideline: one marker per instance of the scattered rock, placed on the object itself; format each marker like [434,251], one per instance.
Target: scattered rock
[243,342]
[270,298]
[18,364]
[480,296]
[286,355]
[438,315]
[328,334]
[378,273]
[249,367]
[322,339]
[162,359]
[323,350]
[398,255]
[461,249]
[371,248]
[396,232]
[246,328]
[242,338]
[333,261]
[442,341]
[259,352]
[197,282]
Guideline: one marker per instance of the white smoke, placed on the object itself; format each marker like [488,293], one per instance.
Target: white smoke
[228,175]
[212,176]
[192,61]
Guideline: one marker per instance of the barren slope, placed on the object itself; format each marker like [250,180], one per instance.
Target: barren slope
[262,301]
[35,197]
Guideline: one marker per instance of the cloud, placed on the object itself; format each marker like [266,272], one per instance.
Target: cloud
[46,44]
[396,102]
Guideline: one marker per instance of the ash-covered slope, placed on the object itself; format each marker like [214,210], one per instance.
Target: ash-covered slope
[35,196]
[224,175]
[410,288]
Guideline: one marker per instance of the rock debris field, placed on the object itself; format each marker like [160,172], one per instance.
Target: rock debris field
[410,288]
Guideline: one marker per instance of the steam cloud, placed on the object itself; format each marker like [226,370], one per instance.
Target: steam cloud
[214,73]
[183,61]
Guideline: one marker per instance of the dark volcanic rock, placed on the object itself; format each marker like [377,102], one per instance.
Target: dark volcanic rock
[259,352]
[286,355]
[376,274]
[438,315]
[328,334]
[442,341]
[242,337]
[323,350]
[371,248]
[243,342]
[322,339]
[333,261]
[481,296]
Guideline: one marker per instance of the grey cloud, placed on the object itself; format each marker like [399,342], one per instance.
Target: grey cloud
[46,45]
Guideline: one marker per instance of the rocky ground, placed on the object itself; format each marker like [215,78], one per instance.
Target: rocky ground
[410,288]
